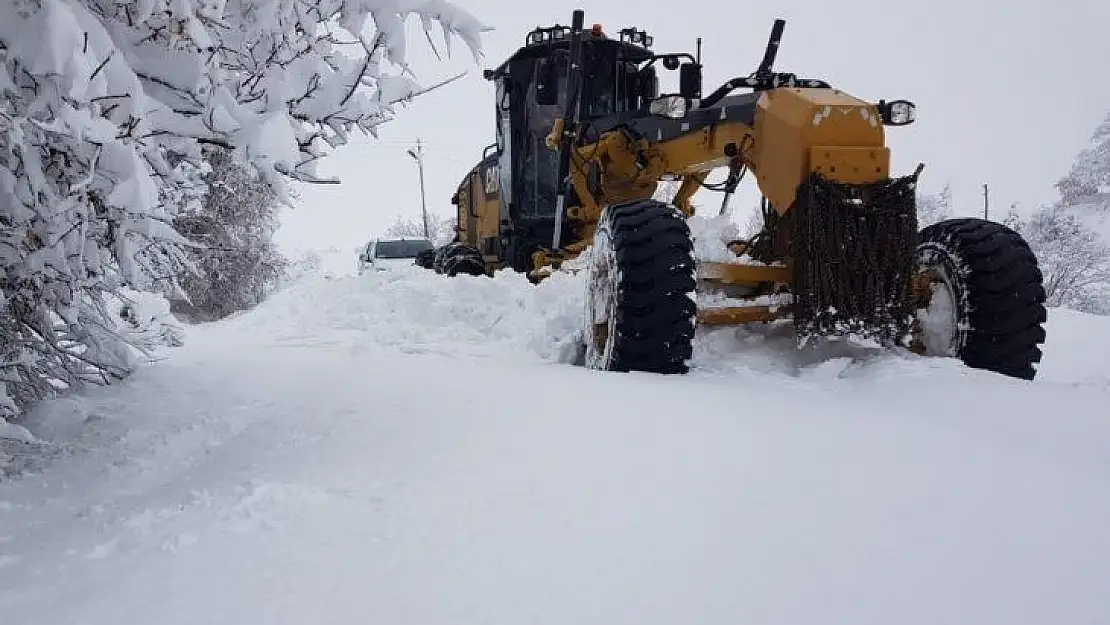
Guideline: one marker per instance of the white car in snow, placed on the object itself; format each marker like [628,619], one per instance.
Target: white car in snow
[384,254]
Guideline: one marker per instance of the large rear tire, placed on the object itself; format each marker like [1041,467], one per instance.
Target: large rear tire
[640,305]
[460,258]
[425,259]
[987,304]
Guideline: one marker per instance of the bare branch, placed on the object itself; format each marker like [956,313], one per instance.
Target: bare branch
[101,66]
[410,96]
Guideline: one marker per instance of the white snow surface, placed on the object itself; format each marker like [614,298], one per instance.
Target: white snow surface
[404,448]
[711,236]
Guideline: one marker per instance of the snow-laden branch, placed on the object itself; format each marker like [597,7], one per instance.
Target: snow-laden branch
[105,106]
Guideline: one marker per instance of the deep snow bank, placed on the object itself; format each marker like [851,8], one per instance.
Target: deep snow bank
[506,317]
[417,310]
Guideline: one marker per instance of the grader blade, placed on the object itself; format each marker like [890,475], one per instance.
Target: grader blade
[728,273]
[853,247]
[735,315]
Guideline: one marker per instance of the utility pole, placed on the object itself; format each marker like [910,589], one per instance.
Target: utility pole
[986,202]
[418,156]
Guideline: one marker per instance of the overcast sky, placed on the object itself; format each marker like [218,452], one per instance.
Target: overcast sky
[1007,93]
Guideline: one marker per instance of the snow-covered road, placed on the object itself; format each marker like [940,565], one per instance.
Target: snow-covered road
[414,451]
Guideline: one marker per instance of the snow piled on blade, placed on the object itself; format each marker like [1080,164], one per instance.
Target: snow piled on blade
[711,236]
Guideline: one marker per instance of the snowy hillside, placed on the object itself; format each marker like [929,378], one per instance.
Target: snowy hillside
[403,448]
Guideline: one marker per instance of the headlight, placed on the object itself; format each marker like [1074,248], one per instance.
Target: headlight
[898,112]
[672,106]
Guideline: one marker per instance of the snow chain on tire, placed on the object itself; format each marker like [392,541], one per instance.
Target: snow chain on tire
[456,258]
[640,309]
[425,259]
[997,292]
[853,251]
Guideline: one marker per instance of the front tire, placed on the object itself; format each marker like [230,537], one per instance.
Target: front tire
[987,304]
[640,308]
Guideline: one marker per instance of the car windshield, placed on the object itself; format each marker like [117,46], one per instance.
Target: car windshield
[401,249]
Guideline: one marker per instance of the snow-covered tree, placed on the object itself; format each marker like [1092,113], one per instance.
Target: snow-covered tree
[104,108]
[441,228]
[236,264]
[1088,181]
[1013,219]
[1074,259]
[1074,255]
[1085,189]
[935,207]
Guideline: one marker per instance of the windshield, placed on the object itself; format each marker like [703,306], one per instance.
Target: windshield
[401,249]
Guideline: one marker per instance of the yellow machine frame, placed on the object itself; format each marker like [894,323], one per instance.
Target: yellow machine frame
[797,131]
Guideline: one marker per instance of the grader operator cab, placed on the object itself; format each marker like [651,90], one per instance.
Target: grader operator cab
[583,138]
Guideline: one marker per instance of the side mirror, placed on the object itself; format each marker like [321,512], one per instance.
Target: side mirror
[689,80]
[897,112]
[547,83]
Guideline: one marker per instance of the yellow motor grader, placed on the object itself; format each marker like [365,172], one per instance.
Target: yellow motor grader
[584,138]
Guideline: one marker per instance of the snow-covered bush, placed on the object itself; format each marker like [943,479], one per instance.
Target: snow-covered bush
[236,263]
[308,263]
[146,319]
[104,108]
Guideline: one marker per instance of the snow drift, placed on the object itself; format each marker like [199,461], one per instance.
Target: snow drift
[506,317]
[416,310]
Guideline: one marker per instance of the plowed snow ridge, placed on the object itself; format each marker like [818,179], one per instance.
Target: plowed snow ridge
[507,317]
[420,311]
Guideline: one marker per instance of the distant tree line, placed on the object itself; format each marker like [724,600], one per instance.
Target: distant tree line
[441,228]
